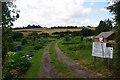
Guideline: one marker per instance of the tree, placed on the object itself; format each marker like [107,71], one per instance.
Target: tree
[86,32]
[103,26]
[115,10]
[109,24]
[7,22]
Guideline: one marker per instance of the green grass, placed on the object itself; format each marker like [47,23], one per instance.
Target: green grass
[34,70]
[26,49]
[83,56]
[59,66]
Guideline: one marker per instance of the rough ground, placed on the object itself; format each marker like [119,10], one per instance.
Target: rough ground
[47,68]
[77,71]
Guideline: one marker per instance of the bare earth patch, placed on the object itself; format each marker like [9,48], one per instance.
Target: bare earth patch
[47,70]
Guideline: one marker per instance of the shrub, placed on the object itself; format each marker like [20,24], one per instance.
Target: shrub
[15,66]
[24,41]
[67,38]
[38,47]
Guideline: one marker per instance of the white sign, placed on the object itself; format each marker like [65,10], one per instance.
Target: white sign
[100,50]
[101,39]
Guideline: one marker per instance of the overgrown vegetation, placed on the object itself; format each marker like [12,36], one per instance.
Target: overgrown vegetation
[115,10]
[104,26]
[34,70]
[28,56]
[81,52]
[7,22]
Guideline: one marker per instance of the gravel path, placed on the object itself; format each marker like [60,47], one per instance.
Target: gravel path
[78,72]
[47,68]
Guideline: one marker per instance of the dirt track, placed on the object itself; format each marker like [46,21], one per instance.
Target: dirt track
[77,71]
[47,69]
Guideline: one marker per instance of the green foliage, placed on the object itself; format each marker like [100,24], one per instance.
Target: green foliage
[38,46]
[87,32]
[72,40]
[17,36]
[82,53]
[104,26]
[36,65]
[78,46]
[67,38]
[7,9]
[115,9]
[33,35]
[24,41]
[7,22]
[9,46]
[81,38]
[17,64]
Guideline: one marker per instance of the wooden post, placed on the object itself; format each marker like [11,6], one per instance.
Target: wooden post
[94,61]
[102,40]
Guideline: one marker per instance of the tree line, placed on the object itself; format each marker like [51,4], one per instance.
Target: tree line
[83,32]
[28,27]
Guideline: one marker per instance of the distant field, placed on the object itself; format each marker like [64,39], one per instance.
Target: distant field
[46,30]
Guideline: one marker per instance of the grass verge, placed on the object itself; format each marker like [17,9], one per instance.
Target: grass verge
[36,62]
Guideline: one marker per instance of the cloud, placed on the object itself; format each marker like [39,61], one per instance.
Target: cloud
[89,22]
[104,9]
[51,12]
[91,3]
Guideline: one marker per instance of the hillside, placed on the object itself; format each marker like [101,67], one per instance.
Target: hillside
[47,30]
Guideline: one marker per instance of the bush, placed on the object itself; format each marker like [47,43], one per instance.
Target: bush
[24,41]
[17,36]
[73,48]
[38,47]
[79,47]
[15,66]
[67,38]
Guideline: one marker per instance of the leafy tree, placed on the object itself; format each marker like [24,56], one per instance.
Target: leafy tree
[7,22]
[102,27]
[115,9]
[109,24]
[86,32]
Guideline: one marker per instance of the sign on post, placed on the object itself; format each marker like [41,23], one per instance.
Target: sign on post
[99,49]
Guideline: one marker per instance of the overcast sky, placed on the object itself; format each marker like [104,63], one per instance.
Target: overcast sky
[49,13]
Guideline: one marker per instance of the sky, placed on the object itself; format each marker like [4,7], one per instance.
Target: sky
[49,13]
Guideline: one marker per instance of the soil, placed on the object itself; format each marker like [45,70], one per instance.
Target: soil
[47,70]
[76,69]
